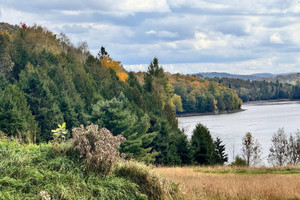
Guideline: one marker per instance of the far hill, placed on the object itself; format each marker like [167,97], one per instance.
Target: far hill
[250,77]
[285,78]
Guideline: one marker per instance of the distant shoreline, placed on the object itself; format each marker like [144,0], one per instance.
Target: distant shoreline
[209,113]
[270,100]
[233,111]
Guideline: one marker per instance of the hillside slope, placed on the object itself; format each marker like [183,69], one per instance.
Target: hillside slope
[41,172]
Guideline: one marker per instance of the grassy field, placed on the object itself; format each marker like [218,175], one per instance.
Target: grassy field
[235,182]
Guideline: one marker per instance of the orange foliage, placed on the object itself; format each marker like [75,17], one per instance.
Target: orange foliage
[116,66]
[5,32]
[122,76]
[110,63]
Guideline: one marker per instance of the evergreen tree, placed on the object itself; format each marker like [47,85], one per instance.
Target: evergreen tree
[220,156]
[165,145]
[202,145]
[113,115]
[183,147]
[43,104]
[15,116]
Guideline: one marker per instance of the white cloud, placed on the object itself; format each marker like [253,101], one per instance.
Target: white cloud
[237,35]
[142,5]
[276,38]
[151,32]
[162,34]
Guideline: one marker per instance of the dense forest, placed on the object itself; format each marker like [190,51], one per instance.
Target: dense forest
[45,81]
[199,95]
[261,90]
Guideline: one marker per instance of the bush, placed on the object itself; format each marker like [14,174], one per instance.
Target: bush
[98,148]
[239,162]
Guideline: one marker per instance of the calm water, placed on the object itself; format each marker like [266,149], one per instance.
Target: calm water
[262,119]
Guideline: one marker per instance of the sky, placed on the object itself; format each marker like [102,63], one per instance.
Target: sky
[187,36]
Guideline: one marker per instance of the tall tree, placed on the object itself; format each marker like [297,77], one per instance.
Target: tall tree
[113,115]
[15,116]
[43,104]
[251,150]
[279,148]
[294,149]
[202,145]
[220,155]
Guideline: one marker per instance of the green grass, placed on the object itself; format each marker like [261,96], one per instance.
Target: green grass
[26,170]
[249,170]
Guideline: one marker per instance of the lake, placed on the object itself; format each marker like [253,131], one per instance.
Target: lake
[262,119]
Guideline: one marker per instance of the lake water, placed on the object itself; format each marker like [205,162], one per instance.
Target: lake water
[262,119]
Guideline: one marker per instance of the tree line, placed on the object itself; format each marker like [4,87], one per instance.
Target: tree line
[260,90]
[192,94]
[284,150]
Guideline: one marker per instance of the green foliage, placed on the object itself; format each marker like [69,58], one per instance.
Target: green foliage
[220,156]
[239,162]
[138,146]
[259,90]
[60,133]
[43,104]
[15,116]
[113,115]
[202,145]
[205,151]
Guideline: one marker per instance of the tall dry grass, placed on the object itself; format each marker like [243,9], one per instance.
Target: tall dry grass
[203,185]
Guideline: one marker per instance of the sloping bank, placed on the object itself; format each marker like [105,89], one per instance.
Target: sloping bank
[45,171]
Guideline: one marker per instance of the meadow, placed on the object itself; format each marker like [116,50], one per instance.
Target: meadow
[225,182]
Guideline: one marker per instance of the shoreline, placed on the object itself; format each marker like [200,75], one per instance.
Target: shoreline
[209,113]
[270,100]
[234,111]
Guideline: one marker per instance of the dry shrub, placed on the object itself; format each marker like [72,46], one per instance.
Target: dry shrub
[150,183]
[98,148]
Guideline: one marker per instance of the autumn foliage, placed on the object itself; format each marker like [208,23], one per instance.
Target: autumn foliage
[116,66]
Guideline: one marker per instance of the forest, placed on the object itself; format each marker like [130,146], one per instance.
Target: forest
[45,81]
[199,95]
[261,90]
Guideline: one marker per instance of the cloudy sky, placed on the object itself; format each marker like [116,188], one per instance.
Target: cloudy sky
[188,36]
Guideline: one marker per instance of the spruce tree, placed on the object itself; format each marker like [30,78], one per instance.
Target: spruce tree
[202,145]
[113,115]
[15,117]
[43,104]
[220,156]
